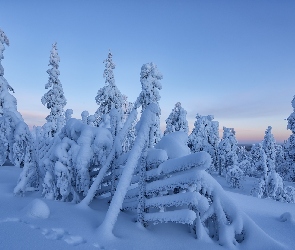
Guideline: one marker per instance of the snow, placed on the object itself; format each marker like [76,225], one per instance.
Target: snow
[37,208]
[61,231]
[175,144]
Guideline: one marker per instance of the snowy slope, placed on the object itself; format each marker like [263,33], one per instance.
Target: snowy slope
[32,222]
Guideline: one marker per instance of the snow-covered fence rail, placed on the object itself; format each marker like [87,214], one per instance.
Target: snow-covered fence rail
[179,190]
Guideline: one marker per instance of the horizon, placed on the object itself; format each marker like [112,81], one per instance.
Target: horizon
[233,60]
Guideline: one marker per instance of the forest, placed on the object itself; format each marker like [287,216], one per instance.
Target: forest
[120,155]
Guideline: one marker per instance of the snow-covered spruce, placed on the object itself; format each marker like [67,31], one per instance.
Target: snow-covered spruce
[176,121]
[150,78]
[227,150]
[258,161]
[54,99]
[14,133]
[205,137]
[289,148]
[269,147]
[108,97]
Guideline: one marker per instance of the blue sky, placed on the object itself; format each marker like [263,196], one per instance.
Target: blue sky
[233,59]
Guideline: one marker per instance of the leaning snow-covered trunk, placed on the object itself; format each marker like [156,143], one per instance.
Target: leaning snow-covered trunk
[148,118]
[116,147]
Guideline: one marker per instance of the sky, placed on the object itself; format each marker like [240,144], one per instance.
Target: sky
[232,59]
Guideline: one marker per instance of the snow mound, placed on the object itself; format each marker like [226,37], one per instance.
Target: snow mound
[175,144]
[38,208]
[286,217]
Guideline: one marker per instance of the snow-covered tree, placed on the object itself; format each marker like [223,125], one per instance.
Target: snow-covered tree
[270,183]
[269,146]
[25,156]
[9,116]
[282,166]
[69,161]
[176,121]
[258,160]
[131,134]
[68,114]
[150,78]
[227,150]
[109,96]
[290,146]
[84,116]
[54,99]
[244,160]
[205,137]
[7,101]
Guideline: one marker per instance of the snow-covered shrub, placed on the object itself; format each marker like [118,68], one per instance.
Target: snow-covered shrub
[234,176]
[71,159]
[245,166]
[176,121]
[29,177]
[289,194]
[175,144]
[274,186]
[205,137]
[54,99]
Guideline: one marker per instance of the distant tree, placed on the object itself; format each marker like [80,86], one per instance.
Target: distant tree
[205,137]
[290,147]
[269,146]
[282,166]
[271,183]
[258,160]
[54,99]
[244,160]
[227,150]
[150,78]
[84,116]
[68,114]
[176,121]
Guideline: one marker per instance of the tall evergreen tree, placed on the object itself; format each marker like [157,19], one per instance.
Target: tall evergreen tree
[9,116]
[54,99]
[176,121]
[109,96]
[290,146]
[150,78]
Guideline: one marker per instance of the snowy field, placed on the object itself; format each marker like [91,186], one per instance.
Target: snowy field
[32,222]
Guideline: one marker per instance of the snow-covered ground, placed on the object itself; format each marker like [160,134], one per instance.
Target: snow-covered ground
[32,222]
